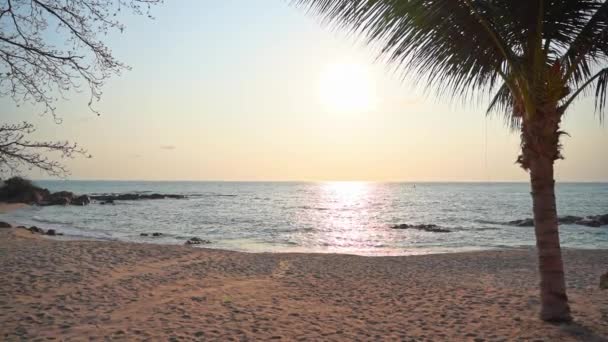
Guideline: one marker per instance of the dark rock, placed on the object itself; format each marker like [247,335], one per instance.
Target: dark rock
[60,201]
[197,241]
[569,219]
[61,194]
[4,225]
[22,227]
[20,190]
[67,194]
[34,196]
[36,230]
[81,200]
[601,219]
[57,201]
[51,232]
[143,234]
[426,227]
[522,223]
[604,281]
[134,197]
[157,234]
[58,198]
[128,197]
[102,199]
[589,222]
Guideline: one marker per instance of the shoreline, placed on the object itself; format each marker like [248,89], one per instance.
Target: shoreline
[6,207]
[311,230]
[72,238]
[278,249]
[70,289]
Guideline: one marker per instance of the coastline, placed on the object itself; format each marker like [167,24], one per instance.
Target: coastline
[8,207]
[70,289]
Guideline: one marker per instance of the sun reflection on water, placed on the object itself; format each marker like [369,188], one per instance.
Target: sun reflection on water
[346,194]
[345,217]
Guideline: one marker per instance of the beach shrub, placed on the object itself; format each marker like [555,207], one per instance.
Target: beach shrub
[19,189]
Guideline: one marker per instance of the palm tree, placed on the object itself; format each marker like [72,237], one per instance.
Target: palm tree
[536,56]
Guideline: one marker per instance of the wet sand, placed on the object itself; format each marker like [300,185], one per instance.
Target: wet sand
[75,290]
[6,207]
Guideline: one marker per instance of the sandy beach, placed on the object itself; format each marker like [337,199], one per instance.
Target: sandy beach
[7,207]
[72,290]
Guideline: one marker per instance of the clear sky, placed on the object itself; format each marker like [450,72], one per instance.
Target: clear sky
[258,90]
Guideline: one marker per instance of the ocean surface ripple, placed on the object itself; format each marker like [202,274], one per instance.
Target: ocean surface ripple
[332,217]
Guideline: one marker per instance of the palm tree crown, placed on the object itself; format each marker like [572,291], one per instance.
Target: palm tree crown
[530,52]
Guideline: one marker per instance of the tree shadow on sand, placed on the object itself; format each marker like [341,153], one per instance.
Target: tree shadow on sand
[581,333]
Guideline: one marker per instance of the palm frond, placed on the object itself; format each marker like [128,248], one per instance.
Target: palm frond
[540,49]
[588,44]
[502,104]
[600,92]
[456,45]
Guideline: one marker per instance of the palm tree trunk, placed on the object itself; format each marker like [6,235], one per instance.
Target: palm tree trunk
[540,148]
[554,301]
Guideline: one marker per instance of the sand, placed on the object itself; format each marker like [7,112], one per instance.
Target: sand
[6,207]
[75,290]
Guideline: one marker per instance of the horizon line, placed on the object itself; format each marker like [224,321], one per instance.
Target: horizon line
[307,181]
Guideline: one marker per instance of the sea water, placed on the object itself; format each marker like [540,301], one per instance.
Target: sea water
[328,217]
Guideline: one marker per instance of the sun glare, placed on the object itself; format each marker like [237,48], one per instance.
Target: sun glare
[346,88]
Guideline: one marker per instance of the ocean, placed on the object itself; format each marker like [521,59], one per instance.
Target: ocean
[331,217]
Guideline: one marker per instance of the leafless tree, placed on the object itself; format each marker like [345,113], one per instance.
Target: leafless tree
[49,48]
[17,151]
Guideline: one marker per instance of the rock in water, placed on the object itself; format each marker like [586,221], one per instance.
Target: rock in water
[601,220]
[128,197]
[197,241]
[143,234]
[81,200]
[36,230]
[61,197]
[4,225]
[589,222]
[604,281]
[157,234]
[35,196]
[522,223]
[51,232]
[58,201]
[426,227]
[569,219]
[133,197]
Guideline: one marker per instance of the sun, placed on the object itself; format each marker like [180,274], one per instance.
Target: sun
[346,88]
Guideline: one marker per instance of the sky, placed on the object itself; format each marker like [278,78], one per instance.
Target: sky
[261,91]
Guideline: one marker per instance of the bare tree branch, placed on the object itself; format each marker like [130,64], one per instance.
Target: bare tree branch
[17,150]
[49,47]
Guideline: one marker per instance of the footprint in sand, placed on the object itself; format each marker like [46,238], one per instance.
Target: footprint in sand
[282,269]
